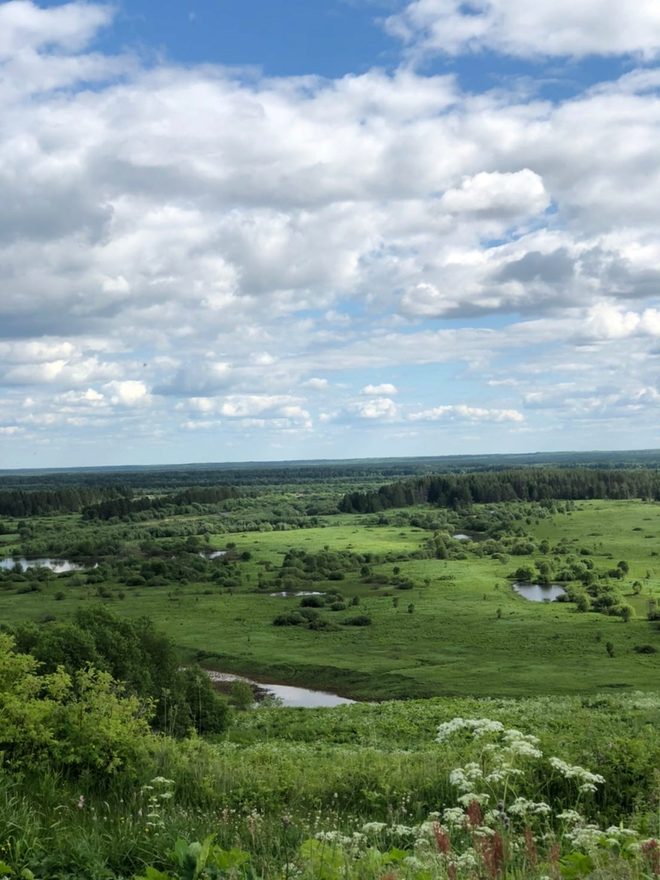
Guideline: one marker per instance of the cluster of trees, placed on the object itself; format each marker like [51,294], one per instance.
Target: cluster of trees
[63,499]
[307,615]
[300,568]
[126,505]
[528,484]
[132,652]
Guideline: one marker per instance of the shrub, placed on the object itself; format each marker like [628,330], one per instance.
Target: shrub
[359,620]
[83,721]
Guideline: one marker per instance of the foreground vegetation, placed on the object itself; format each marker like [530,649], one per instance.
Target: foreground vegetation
[363,790]
[535,752]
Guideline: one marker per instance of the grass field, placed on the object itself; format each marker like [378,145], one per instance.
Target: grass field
[461,630]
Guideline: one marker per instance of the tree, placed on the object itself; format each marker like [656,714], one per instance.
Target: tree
[241,694]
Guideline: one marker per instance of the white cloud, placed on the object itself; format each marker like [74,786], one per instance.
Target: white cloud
[129,392]
[205,242]
[528,29]
[605,321]
[316,384]
[377,408]
[377,390]
[498,195]
[468,413]
[25,26]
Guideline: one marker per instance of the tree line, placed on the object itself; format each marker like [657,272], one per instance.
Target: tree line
[524,484]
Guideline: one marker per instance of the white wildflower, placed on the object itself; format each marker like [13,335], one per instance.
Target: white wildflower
[373,827]
[402,830]
[477,726]
[466,799]
[453,816]
[467,860]
[571,816]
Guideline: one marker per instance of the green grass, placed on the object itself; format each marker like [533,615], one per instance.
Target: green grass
[469,633]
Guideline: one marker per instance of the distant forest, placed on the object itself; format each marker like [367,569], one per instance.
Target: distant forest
[449,481]
[166,477]
[104,502]
[522,484]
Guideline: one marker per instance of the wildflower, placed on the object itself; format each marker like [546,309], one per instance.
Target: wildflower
[478,726]
[373,827]
[480,798]
[453,816]
[530,846]
[474,814]
[467,861]
[492,854]
[587,779]
[571,816]
[651,851]
[403,830]
[81,802]
[442,841]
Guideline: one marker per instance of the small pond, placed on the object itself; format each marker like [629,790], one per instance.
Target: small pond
[540,592]
[59,566]
[289,696]
[290,595]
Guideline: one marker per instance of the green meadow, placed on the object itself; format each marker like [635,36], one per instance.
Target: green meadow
[493,738]
[459,629]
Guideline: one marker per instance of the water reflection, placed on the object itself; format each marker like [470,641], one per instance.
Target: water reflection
[540,592]
[288,695]
[58,566]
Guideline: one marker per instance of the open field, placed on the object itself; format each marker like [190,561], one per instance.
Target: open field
[401,611]
[459,630]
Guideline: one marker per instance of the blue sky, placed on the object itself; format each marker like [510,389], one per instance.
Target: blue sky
[270,230]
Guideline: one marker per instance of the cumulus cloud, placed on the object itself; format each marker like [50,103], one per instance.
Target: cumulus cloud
[540,28]
[129,392]
[468,413]
[605,321]
[377,408]
[23,25]
[209,248]
[376,390]
[498,195]
[316,384]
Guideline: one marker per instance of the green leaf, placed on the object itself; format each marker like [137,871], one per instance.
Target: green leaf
[180,851]
[5,869]
[394,855]
[154,874]
[576,865]
[228,859]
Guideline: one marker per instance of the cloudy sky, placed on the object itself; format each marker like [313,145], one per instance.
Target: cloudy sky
[274,229]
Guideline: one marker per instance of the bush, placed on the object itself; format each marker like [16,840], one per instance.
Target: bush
[359,620]
[83,721]
[289,618]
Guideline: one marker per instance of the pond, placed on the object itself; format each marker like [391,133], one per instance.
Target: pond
[539,592]
[302,698]
[287,594]
[59,566]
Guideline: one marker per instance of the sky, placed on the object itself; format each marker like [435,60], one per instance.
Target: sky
[240,230]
